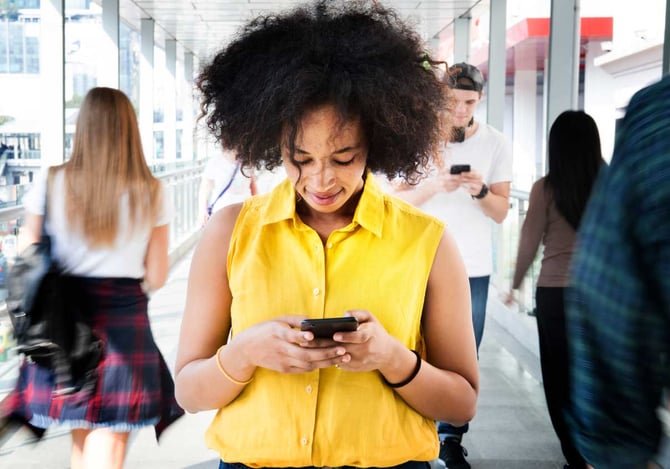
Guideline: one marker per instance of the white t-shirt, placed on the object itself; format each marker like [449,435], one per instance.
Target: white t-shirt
[487,152]
[70,249]
[220,169]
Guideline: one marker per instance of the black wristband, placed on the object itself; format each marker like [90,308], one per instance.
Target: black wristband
[482,193]
[407,380]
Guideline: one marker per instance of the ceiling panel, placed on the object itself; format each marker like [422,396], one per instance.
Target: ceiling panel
[202,26]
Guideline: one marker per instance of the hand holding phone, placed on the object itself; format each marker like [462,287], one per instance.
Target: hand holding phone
[459,168]
[325,328]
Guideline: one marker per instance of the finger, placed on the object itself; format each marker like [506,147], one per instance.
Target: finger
[339,361]
[292,320]
[363,315]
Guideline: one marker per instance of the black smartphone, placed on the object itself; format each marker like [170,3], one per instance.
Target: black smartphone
[325,328]
[459,168]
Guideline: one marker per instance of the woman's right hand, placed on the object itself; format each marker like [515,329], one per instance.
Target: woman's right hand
[278,344]
[510,299]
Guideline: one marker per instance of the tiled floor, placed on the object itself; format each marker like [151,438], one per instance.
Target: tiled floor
[511,429]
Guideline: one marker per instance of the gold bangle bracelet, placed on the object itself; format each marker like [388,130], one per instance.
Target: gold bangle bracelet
[223,372]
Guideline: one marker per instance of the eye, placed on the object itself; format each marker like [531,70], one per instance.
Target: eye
[345,163]
[302,162]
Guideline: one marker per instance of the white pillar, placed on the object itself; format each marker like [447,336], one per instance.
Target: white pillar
[462,40]
[146,117]
[108,57]
[187,106]
[495,110]
[563,84]
[170,117]
[525,102]
[599,100]
[52,79]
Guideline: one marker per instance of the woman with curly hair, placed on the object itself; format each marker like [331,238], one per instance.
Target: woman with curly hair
[335,92]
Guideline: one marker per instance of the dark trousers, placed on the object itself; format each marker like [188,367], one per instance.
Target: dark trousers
[554,361]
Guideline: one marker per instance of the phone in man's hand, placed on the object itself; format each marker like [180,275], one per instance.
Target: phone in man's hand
[325,328]
[459,168]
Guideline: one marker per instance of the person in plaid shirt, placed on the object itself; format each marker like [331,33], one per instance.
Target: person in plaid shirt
[618,316]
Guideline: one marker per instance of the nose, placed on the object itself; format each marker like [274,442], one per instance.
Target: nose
[459,107]
[323,175]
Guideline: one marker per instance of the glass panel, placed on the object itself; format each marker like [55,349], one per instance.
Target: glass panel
[4,45]
[15,47]
[129,63]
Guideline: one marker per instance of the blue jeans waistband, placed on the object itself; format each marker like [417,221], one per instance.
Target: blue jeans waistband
[406,465]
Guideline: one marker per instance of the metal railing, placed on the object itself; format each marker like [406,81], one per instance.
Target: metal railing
[506,247]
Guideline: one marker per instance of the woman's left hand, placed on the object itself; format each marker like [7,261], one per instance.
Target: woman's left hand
[370,347]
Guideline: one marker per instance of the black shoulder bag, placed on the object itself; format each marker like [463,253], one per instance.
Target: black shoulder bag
[50,329]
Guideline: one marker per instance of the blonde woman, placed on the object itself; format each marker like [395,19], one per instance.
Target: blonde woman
[108,221]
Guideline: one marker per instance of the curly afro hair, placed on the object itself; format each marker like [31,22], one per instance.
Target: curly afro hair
[359,57]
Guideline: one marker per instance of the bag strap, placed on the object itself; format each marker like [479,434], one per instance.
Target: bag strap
[232,178]
[44,236]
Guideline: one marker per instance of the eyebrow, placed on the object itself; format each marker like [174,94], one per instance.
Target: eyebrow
[336,152]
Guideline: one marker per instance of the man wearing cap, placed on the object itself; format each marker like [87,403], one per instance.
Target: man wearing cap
[467,189]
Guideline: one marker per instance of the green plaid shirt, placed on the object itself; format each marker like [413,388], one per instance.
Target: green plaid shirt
[619,306]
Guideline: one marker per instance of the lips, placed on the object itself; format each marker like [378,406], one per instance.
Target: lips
[324,198]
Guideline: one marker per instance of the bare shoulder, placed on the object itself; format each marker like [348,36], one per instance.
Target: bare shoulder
[217,233]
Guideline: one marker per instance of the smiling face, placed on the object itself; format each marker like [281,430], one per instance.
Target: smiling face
[329,162]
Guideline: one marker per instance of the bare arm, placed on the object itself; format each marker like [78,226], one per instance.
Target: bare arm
[416,194]
[495,204]
[446,389]
[531,234]
[30,231]
[156,261]
[447,384]
[206,323]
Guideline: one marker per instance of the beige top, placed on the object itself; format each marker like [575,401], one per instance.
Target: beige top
[545,224]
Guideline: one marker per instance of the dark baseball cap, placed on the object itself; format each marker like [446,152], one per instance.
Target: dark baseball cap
[464,76]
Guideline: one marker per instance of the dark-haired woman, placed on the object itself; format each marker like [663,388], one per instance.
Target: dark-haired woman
[334,92]
[557,202]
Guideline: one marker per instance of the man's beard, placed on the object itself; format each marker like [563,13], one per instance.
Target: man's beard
[458,133]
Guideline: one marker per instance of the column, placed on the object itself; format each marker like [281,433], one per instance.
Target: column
[495,103]
[146,114]
[188,115]
[563,73]
[170,127]
[599,102]
[52,81]
[525,111]
[462,39]
[108,58]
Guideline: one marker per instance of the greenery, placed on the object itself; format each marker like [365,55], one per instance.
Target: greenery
[8,10]
[5,119]
[75,102]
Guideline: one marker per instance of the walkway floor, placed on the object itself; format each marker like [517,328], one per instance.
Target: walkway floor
[511,429]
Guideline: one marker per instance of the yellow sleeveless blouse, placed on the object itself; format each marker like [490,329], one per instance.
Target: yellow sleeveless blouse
[277,265]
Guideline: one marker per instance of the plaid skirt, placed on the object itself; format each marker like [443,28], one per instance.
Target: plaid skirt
[134,387]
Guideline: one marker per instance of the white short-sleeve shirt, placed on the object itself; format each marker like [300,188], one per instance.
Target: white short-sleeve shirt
[223,170]
[488,152]
[71,250]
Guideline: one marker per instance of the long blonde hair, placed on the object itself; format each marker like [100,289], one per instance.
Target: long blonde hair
[108,163]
